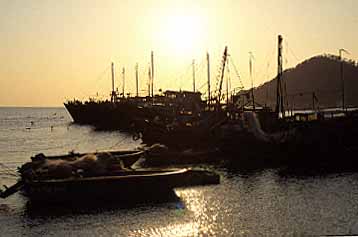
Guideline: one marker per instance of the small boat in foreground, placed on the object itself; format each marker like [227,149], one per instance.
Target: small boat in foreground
[99,177]
[124,185]
[120,186]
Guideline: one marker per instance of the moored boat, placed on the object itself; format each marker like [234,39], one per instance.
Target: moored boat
[98,178]
[120,186]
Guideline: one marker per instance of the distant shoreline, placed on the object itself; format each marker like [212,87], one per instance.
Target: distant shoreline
[30,107]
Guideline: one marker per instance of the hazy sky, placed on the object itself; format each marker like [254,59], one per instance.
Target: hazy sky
[57,50]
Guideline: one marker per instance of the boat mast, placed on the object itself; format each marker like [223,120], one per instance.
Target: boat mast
[227,85]
[279,94]
[252,81]
[193,75]
[136,79]
[208,62]
[113,95]
[222,77]
[149,80]
[123,80]
[152,72]
[342,76]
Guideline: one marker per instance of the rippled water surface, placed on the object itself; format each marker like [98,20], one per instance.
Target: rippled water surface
[256,203]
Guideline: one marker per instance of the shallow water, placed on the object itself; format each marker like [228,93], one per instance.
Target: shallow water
[256,203]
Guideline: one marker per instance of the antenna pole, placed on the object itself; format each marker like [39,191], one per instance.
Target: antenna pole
[208,62]
[136,79]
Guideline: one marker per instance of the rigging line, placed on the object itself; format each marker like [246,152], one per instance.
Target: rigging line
[228,75]
[8,172]
[237,72]
[291,51]
[268,58]
[116,144]
[181,76]
[100,75]
[268,66]
[7,169]
[98,78]
[199,73]
[202,86]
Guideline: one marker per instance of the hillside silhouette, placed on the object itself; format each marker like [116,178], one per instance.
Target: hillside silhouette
[319,75]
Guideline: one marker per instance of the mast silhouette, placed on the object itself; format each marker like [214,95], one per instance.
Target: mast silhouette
[113,95]
[123,81]
[136,79]
[279,92]
[152,72]
[193,75]
[208,63]
[252,81]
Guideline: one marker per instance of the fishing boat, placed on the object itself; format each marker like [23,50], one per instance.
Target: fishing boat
[122,186]
[120,112]
[99,177]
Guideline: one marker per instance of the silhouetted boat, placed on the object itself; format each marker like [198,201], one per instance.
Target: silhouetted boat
[99,176]
[120,186]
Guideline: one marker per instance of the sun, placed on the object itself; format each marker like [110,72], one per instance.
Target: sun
[182,33]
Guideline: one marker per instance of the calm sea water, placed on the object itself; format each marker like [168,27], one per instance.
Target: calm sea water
[256,203]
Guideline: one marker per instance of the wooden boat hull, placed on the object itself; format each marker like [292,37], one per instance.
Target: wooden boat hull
[125,186]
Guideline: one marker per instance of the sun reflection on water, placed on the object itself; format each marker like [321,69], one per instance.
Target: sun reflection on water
[195,218]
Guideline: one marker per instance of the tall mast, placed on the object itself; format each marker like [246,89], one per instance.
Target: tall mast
[113,95]
[279,94]
[252,81]
[227,84]
[342,75]
[136,79]
[152,72]
[342,79]
[222,76]
[208,62]
[193,75]
[123,80]
[149,80]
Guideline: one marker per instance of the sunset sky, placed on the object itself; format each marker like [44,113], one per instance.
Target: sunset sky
[57,50]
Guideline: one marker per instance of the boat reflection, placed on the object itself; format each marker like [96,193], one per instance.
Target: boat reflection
[91,206]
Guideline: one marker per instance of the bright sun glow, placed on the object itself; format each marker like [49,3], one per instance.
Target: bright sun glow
[182,33]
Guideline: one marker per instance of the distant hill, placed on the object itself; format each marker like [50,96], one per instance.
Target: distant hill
[319,74]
